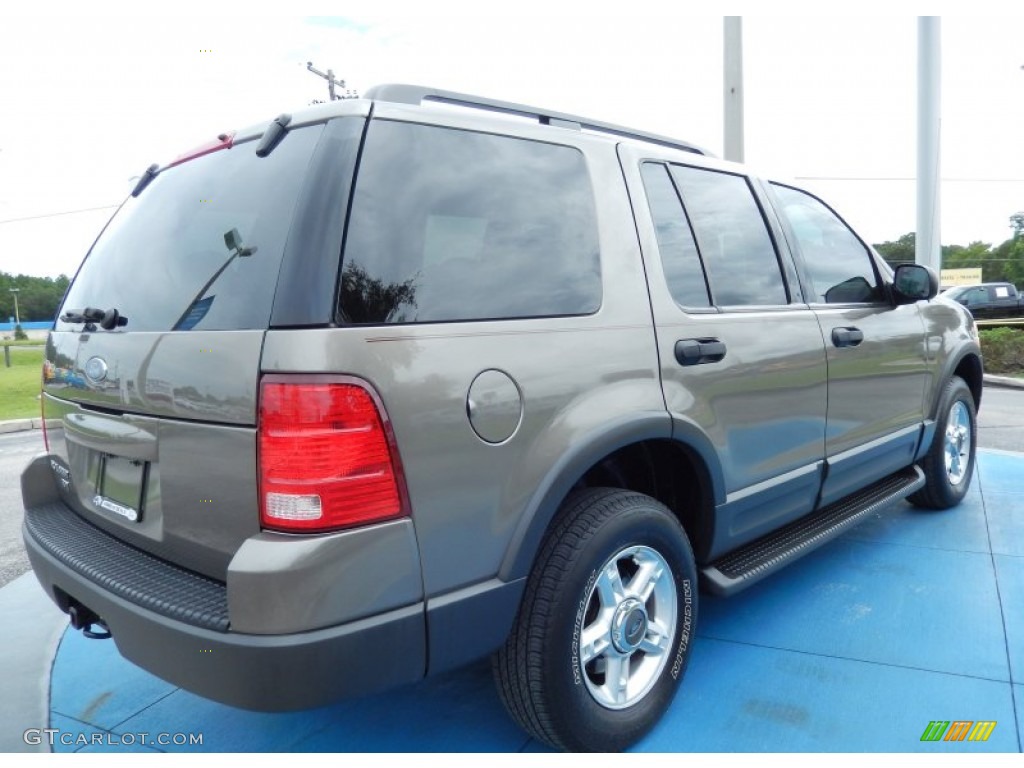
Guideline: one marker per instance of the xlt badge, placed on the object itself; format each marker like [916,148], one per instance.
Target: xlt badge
[112,506]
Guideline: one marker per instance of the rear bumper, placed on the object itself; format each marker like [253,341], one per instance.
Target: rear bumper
[244,643]
[262,672]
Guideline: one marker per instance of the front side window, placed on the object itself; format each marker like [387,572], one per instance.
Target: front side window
[973,296]
[840,268]
[453,225]
[738,252]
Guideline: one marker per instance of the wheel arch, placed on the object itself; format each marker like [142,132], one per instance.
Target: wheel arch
[671,461]
[968,367]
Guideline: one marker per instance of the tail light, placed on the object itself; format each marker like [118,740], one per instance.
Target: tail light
[42,404]
[327,455]
[42,416]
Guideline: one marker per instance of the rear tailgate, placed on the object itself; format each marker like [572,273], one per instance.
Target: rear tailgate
[157,436]
[162,451]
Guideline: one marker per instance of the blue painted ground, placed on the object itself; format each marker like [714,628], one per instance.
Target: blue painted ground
[35,325]
[911,617]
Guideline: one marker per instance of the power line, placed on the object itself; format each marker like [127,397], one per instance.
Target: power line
[59,213]
[906,178]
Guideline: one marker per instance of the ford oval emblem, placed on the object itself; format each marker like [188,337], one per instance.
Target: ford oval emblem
[96,369]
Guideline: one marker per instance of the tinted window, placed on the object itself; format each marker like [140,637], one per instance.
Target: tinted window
[973,296]
[737,251]
[679,258]
[840,268]
[456,225]
[164,261]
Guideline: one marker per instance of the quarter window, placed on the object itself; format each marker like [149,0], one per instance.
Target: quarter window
[839,265]
[456,225]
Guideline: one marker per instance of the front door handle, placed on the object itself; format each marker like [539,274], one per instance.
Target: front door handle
[699,351]
[847,337]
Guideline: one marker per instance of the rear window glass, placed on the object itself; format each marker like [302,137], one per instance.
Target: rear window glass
[200,248]
[457,225]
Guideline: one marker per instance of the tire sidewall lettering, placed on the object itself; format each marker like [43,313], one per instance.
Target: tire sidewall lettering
[685,628]
[577,629]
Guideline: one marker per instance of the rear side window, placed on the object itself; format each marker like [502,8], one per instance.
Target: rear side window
[840,268]
[679,257]
[457,225]
[738,252]
[201,246]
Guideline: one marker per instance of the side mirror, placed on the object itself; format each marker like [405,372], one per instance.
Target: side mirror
[914,282]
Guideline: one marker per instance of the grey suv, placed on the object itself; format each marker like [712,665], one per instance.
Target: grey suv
[382,387]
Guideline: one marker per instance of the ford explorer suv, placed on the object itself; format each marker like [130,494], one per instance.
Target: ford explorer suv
[385,386]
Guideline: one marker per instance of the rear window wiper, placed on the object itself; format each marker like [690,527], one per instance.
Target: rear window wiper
[109,319]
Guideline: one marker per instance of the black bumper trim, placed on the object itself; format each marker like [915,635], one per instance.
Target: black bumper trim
[266,673]
[127,572]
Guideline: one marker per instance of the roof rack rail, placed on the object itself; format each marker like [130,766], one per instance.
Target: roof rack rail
[402,93]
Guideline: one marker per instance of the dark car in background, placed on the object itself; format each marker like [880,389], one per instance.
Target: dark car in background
[988,300]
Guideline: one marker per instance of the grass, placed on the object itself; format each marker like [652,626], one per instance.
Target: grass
[4,342]
[20,384]
[1003,349]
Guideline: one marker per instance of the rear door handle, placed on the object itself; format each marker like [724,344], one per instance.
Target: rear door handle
[699,351]
[847,337]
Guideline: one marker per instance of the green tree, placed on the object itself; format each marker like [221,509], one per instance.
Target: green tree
[898,251]
[1017,224]
[977,254]
[38,297]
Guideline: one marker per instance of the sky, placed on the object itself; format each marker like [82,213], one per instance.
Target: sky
[88,103]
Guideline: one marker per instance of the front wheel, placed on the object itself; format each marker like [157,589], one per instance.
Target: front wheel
[606,625]
[949,464]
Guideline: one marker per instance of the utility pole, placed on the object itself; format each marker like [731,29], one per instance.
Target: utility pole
[17,316]
[331,82]
[733,80]
[928,245]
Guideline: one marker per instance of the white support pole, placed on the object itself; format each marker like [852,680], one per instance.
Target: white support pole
[733,80]
[928,250]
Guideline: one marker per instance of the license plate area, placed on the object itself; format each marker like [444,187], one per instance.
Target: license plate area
[120,485]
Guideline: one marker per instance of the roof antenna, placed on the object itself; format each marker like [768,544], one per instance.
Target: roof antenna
[331,82]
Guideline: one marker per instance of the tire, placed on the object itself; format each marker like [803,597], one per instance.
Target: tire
[949,464]
[578,607]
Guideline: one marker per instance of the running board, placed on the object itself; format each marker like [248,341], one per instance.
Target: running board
[749,564]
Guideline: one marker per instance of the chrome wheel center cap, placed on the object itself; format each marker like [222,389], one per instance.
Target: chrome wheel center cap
[629,625]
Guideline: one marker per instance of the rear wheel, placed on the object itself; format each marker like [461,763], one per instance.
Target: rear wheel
[949,464]
[605,628]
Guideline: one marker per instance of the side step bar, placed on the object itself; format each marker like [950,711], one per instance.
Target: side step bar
[749,564]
